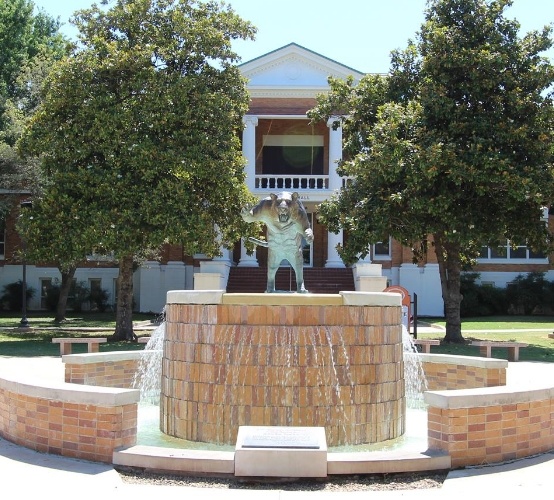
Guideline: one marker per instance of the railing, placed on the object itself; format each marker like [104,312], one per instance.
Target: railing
[298,182]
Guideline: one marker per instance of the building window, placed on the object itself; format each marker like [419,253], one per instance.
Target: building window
[45,288]
[381,250]
[292,155]
[95,286]
[509,252]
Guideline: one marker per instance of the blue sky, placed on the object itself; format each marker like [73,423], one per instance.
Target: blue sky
[358,33]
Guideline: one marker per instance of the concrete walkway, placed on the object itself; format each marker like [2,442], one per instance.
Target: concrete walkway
[27,474]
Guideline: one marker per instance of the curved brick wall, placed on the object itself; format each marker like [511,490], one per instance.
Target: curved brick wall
[283,360]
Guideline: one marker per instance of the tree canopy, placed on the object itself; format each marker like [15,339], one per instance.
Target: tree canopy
[453,148]
[139,133]
[27,40]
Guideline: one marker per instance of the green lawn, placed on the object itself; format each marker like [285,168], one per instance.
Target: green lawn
[84,320]
[38,340]
[532,330]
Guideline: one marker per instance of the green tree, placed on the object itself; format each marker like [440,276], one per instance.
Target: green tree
[453,148]
[28,41]
[139,132]
[24,35]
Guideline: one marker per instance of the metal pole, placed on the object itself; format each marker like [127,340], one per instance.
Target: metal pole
[415,315]
[24,323]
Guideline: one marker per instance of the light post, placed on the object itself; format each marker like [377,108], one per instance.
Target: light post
[24,323]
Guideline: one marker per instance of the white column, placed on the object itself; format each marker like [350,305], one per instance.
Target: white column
[333,258]
[335,183]
[249,153]
[245,259]
[335,154]
[249,149]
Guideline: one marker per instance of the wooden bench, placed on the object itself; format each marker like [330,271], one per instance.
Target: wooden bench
[65,343]
[426,344]
[485,348]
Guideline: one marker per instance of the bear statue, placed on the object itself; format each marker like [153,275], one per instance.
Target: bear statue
[287,223]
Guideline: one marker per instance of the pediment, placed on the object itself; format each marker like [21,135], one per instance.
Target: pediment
[293,69]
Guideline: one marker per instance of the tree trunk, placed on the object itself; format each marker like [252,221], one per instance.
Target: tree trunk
[124,316]
[448,256]
[65,287]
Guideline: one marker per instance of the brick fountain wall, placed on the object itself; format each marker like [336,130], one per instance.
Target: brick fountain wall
[283,360]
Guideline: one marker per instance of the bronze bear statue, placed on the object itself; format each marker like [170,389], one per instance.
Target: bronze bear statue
[287,223]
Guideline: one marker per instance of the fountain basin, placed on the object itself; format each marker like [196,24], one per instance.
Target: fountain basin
[332,361]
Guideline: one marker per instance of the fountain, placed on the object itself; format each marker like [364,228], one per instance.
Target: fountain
[334,361]
[283,360]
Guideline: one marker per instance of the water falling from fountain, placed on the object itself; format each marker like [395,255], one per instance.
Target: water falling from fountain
[148,376]
[414,376]
[149,372]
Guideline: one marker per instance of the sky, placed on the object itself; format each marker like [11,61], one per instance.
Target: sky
[357,33]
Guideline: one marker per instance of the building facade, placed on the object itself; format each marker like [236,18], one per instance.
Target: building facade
[283,152]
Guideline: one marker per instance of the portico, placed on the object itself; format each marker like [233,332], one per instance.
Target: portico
[283,150]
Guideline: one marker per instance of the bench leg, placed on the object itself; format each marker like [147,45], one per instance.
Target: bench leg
[485,350]
[65,348]
[426,348]
[513,353]
[94,347]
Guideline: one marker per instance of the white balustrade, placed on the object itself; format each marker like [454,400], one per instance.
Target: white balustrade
[296,182]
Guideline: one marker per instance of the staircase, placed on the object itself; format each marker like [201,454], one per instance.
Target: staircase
[316,280]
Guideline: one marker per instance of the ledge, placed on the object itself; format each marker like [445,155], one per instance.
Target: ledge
[103,357]
[69,393]
[487,396]
[451,359]
[154,458]
[284,299]
[176,459]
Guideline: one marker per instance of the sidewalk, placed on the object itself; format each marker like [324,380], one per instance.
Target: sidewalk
[28,473]
[31,474]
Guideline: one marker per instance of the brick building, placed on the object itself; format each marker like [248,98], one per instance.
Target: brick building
[284,152]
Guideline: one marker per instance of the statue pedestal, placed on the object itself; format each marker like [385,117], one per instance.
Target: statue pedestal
[209,281]
[368,278]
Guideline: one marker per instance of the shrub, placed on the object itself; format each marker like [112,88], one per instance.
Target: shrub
[99,299]
[480,300]
[12,296]
[530,294]
[78,295]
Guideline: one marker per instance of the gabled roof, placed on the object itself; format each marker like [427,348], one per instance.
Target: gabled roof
[292,70]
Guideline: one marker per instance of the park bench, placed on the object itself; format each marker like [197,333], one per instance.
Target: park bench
[426,344]
[485,348]
[143,340]
[65,343]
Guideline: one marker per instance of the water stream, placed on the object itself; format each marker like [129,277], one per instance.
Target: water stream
[148,380]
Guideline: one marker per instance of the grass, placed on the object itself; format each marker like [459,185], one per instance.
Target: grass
[38,340]
[531,330]
[74,320]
